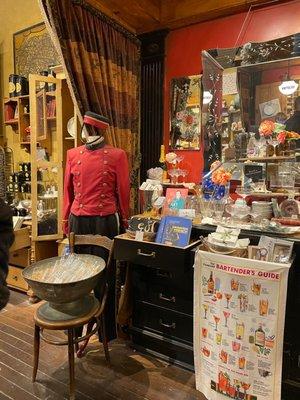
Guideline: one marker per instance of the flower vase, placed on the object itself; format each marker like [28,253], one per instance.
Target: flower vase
[211,191]
[220,192]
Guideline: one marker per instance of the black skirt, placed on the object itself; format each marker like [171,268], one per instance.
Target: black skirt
[106,226]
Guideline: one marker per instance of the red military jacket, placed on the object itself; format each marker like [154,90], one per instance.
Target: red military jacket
[96,183]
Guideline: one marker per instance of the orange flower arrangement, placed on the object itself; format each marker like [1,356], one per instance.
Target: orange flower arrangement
[219,175]
[286,135]
[266,128]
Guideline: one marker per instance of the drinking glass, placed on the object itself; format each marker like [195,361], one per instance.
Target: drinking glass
[226,315]
[218,207]
[205,307]
[242,192]
[205,207]
[263,307]
[217,319]
[228,297]
[204,332]
[274,143]
[242,361]
[245,386]
[174,175]
[218,338]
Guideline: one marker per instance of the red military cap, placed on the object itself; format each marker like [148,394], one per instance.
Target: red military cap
[96,120]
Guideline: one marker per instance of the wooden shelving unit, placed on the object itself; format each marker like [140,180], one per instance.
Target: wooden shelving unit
[47,113]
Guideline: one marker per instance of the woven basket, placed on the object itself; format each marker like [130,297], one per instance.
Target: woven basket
[218,249]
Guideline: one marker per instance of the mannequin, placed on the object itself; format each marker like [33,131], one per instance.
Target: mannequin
[96,196]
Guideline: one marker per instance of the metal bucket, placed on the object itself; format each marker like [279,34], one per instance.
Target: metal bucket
[69,299]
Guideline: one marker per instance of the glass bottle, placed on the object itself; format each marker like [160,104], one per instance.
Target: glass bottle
[239,331]
[162,162]
[211,284]
[260,336]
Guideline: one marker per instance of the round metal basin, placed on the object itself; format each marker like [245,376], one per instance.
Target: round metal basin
[67,299]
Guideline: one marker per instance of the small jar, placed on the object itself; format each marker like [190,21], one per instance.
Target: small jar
[12,85]
[22,87]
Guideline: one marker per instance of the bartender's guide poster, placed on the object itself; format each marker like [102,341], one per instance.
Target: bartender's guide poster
[239,312]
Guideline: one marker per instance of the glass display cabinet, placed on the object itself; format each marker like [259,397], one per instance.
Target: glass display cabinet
[51,108]
[250,94]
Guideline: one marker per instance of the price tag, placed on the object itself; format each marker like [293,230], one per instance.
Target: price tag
[139,235]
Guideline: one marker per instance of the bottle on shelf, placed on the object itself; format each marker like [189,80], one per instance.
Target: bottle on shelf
[162,162]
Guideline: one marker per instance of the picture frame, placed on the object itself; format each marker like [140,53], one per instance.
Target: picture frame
[258,253]
[33,50]
[282,252]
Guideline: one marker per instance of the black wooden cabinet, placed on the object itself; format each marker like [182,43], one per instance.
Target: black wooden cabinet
[163,304]
[162,321]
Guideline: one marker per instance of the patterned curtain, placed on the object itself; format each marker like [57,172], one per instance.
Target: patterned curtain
[101,60]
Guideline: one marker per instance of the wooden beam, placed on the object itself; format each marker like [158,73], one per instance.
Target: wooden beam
[140,16]
[135,15]
[110,13]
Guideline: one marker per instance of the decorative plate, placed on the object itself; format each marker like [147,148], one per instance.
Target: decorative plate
[71,127]
[269,109]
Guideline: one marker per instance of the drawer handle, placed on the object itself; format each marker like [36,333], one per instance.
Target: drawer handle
[151,255]
[171,326]
[170,299]
[15,278]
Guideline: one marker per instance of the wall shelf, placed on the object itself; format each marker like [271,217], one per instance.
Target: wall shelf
[268,159]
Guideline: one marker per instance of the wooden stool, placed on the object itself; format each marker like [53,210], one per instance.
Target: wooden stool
[95,316]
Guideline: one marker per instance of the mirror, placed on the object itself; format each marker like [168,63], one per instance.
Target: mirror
[241,88]
[185,113]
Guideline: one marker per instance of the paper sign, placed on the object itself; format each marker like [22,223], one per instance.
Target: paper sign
[139,235]
[239,312]
[253,172]
[229,83]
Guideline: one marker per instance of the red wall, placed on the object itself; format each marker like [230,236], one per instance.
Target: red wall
[184,46]
[276,75]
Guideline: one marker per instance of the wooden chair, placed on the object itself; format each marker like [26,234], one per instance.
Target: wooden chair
[94,318]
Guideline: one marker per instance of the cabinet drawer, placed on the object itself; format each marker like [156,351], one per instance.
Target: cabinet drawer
[165,322]
[167,349]
[162,288]
[20,257]
[15,278]
[154,254]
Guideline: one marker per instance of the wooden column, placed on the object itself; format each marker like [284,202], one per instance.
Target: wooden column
[152,94]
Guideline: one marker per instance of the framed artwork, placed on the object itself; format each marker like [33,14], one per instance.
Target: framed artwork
[282,251]
[257,253]
[33,50]
[185,113]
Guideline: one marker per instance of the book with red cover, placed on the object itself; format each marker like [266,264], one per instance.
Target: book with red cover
[175,200]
